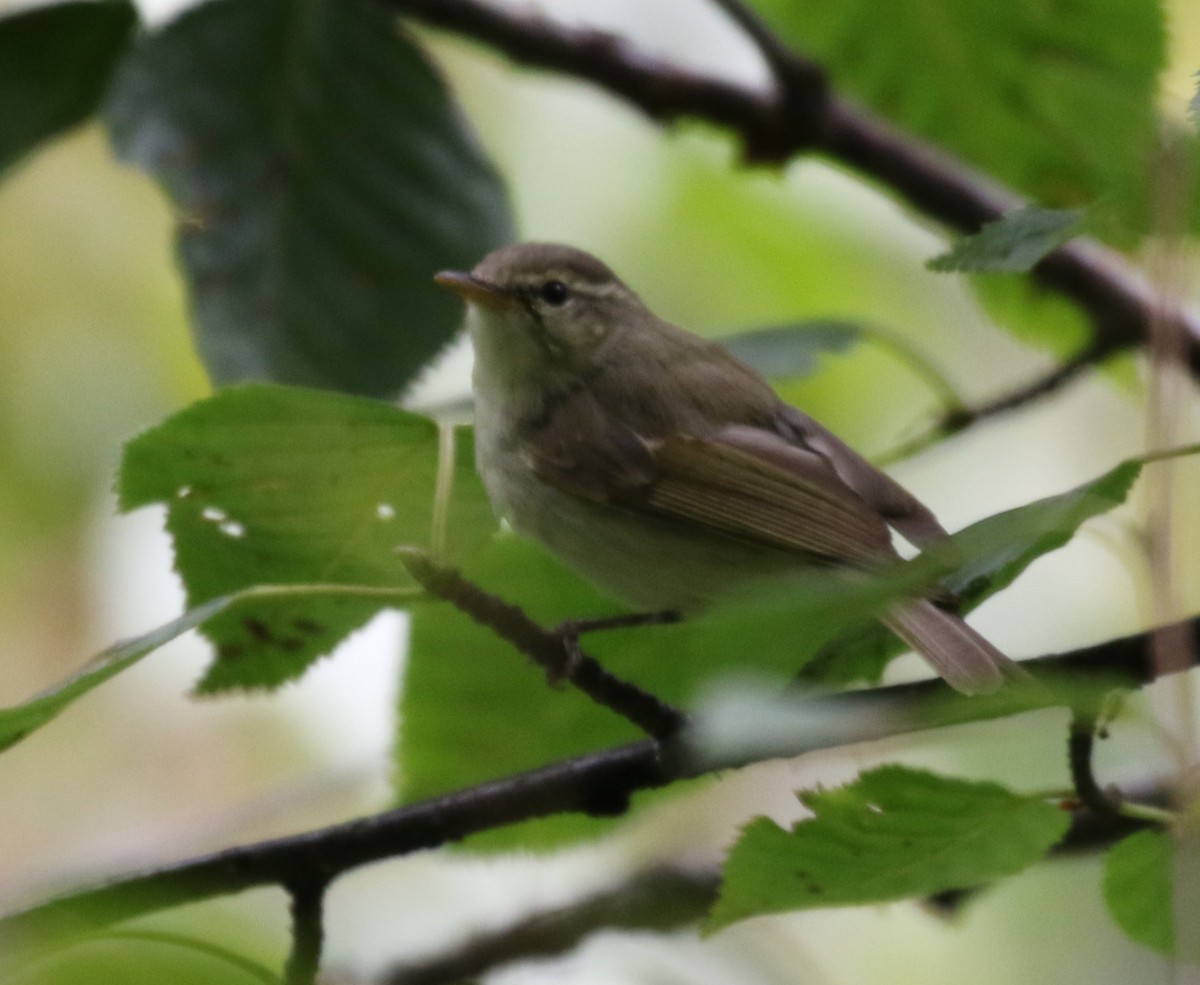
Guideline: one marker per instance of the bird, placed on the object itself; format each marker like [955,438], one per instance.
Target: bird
[663,469]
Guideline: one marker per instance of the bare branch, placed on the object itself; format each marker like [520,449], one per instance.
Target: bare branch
[774,126]
[557,653]
[659,899]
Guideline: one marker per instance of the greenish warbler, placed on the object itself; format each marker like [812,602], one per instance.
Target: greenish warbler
[662,468]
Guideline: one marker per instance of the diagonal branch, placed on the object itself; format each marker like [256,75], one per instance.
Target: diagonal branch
[804,116]
[551,651]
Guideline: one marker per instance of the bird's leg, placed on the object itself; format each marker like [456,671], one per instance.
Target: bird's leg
[570,630]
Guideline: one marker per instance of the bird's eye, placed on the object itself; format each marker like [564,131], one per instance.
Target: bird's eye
[554,292]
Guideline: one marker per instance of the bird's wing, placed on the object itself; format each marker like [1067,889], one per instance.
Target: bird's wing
[900,508]
[742,481]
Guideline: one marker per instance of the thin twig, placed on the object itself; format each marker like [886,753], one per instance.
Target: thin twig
[1081,742]
[308,930]
[960,418]
[1121,304]
[557,653]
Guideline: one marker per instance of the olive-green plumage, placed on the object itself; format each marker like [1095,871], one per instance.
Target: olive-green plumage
[660,466]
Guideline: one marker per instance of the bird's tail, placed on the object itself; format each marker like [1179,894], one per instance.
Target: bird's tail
[967,661]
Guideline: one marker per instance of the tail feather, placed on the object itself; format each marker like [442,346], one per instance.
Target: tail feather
[967,661]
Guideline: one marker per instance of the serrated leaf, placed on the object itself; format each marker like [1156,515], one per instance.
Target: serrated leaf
[279,485]
[323,175]
[1012,244]
[789,351]
[1058,105]
[1138,888]
[21,720]
[894,834]
[55,63]
[995,551]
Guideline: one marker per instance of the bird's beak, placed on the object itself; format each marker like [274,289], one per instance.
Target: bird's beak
[472,288]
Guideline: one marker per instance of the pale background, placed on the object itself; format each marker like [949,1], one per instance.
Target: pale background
[95,347]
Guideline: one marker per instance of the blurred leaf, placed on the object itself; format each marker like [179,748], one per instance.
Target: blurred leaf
[136,958]
[55,63]
[1033,314]
[268,485]
[322,174]
[995,551]
[1138,891]
[1057,104]
[783,351]
[1012,244]
[893,834]
[21,720]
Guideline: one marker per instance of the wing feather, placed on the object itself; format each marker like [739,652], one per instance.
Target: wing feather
[706,480]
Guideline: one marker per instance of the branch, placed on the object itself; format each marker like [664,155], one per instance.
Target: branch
[804,116]
[597,784]
[659,899]
[308,930]
[960,418]
[558,654]
[668,898]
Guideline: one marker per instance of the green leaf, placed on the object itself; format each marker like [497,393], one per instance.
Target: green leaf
[995,551]
[1054,103]
[1138,888]
[268,485]
[788,351]
[323,175]
[1012,244]
[55,63]
[894,834]
[19,721]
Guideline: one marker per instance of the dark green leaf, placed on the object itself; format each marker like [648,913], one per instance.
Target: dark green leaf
[996,550]
[1138,888]
[1054,99]
[270,485]
[893,834]
[1012,244]
[784,351]
[323,175]
[55,63]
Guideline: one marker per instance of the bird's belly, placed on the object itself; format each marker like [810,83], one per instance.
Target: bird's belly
[650,564]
